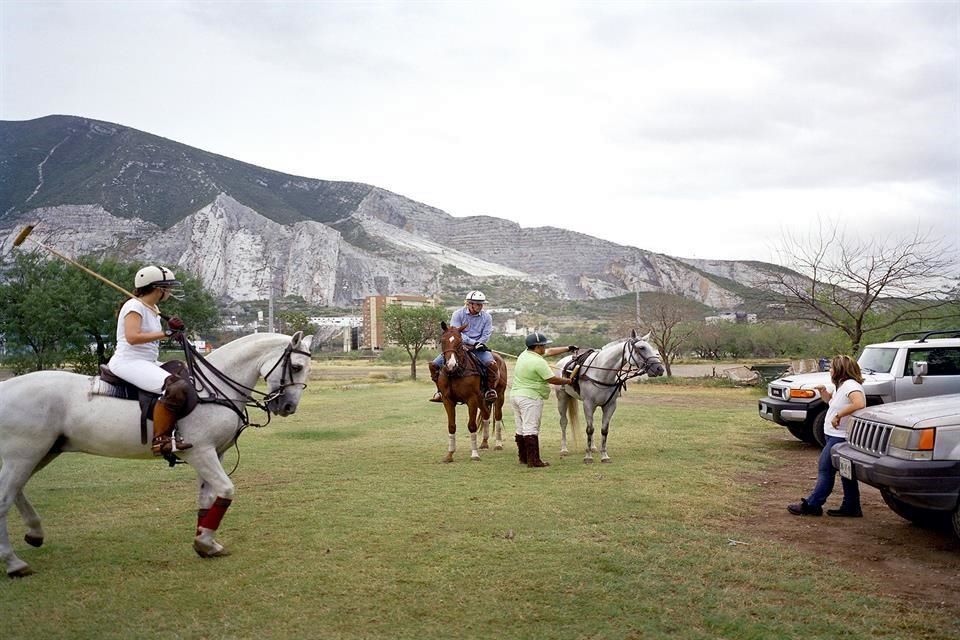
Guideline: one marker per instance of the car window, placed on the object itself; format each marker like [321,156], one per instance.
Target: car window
[943,361]
[877,360]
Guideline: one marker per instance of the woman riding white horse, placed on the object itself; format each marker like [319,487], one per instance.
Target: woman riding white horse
[138,346]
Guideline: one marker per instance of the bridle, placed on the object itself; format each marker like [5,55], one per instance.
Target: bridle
[207,378]
[459,350]
[629,368]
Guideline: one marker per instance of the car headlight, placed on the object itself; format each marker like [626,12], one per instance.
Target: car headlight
[803,393]
[912,444]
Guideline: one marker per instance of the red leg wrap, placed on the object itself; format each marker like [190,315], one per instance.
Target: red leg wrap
[201,513]
[211,519]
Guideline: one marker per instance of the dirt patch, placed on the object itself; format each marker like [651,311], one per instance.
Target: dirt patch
[897,558]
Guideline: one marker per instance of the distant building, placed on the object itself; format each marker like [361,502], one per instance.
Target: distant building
[733,317]
[373,308]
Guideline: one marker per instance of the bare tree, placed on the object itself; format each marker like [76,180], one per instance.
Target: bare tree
[665,317]
[860,284]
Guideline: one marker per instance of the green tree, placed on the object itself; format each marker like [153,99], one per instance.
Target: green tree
[29,298]
[412,328]
[49,308]
[293,321]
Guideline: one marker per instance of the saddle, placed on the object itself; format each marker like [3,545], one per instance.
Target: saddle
[572,368]
[109,384]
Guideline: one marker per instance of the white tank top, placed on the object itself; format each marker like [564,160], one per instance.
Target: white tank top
[150,322]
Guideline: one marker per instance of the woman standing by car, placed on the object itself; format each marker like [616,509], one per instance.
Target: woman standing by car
[846,398]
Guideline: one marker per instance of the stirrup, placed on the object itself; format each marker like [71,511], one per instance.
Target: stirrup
[165,445]
[490,395]
[436,397]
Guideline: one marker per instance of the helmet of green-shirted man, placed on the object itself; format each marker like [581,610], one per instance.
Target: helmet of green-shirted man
[537,339]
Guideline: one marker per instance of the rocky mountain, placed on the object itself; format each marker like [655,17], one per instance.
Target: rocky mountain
[104,189]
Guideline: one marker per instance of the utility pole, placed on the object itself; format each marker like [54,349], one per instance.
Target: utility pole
[638,308]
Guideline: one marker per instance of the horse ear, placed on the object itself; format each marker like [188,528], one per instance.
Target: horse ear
[645,338]
[295,340]
[308,344]
[462,328]
[443,325]
[633,333]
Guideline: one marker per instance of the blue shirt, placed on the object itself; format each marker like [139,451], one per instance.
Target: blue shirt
[479,326]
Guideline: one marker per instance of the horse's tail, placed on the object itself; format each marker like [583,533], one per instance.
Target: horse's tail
[573,421]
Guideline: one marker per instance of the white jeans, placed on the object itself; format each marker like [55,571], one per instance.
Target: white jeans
[527,413]
[140,373]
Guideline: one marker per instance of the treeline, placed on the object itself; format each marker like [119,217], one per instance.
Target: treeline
[52,314]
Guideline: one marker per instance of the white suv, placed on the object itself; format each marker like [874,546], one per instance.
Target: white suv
[890,375]
[911,452]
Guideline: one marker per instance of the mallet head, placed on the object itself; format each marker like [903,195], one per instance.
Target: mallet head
[23,235]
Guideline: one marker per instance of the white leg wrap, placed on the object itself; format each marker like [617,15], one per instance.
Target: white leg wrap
[453,443]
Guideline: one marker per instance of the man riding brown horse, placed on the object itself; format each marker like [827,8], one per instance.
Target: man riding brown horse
[479,328]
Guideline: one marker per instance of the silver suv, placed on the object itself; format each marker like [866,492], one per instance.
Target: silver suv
[889,376]
[911,452]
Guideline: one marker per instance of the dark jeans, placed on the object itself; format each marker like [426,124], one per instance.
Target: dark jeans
[826,475]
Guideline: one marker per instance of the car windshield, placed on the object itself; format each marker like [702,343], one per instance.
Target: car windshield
[877,360]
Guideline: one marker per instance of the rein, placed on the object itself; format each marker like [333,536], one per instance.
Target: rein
[205,379]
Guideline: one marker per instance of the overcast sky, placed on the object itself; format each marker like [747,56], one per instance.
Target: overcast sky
[696,129]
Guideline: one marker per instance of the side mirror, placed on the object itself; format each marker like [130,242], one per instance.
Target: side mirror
[919,370]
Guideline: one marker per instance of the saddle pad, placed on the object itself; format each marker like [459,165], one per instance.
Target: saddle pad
[100,387]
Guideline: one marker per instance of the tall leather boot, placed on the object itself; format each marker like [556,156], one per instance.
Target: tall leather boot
[521,448]
[435,376]
[533,452]
[493,376]
[163,422]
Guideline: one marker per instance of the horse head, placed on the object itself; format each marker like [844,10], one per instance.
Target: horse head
[451,343]
[645,357]
[287,377]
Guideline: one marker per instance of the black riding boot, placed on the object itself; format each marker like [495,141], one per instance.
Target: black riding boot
[533,452]
[435,376]
[521,448]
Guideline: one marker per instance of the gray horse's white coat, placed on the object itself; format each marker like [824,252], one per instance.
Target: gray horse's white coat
[47,413]
[599,375]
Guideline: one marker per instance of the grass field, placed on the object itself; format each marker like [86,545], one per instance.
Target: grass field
[346,524]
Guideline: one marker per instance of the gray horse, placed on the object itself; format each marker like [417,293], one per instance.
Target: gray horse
[602,376]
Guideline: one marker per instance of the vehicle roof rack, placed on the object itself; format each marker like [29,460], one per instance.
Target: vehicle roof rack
[950,333]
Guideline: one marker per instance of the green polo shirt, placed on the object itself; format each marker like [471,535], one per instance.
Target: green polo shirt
[530,376]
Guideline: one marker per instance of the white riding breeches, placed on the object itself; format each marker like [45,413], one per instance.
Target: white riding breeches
[527,413]
[140,373]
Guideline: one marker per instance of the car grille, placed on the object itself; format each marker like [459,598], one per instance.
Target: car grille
[870,437]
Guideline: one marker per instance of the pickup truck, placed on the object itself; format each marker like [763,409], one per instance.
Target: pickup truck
[910,451]
[888,370]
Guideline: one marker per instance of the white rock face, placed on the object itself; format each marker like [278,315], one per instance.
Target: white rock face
[395,246]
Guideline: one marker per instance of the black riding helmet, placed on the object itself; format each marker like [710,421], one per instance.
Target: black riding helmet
[537,339]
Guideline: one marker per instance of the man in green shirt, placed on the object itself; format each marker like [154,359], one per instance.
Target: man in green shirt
[532,377]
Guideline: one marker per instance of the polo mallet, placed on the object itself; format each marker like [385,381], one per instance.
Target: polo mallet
[26,232]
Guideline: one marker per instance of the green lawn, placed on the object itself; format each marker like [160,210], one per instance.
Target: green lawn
[346,524]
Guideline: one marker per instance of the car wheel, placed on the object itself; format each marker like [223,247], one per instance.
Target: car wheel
[801,432]
[955,521]
[819,438]
[927,518]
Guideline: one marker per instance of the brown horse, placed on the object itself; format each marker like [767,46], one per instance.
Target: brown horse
[460,383]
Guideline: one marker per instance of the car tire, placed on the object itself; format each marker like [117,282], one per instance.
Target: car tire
[955,521]
[819,438]
[801,432]
[927,518]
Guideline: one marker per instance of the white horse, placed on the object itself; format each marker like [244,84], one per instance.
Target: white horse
[46,413]
[603,375]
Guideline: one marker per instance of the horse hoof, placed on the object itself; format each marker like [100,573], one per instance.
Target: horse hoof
[563,453]
[588,461]
[475,458]
[484,446]
[448,458]
[606,460]
[33,541]
[22,572]
[214,550]
[498,447]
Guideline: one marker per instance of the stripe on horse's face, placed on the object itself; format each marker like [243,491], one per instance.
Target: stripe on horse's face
[452,362]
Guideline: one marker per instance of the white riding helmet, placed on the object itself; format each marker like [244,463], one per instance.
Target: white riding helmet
[476,296]
[158,277]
